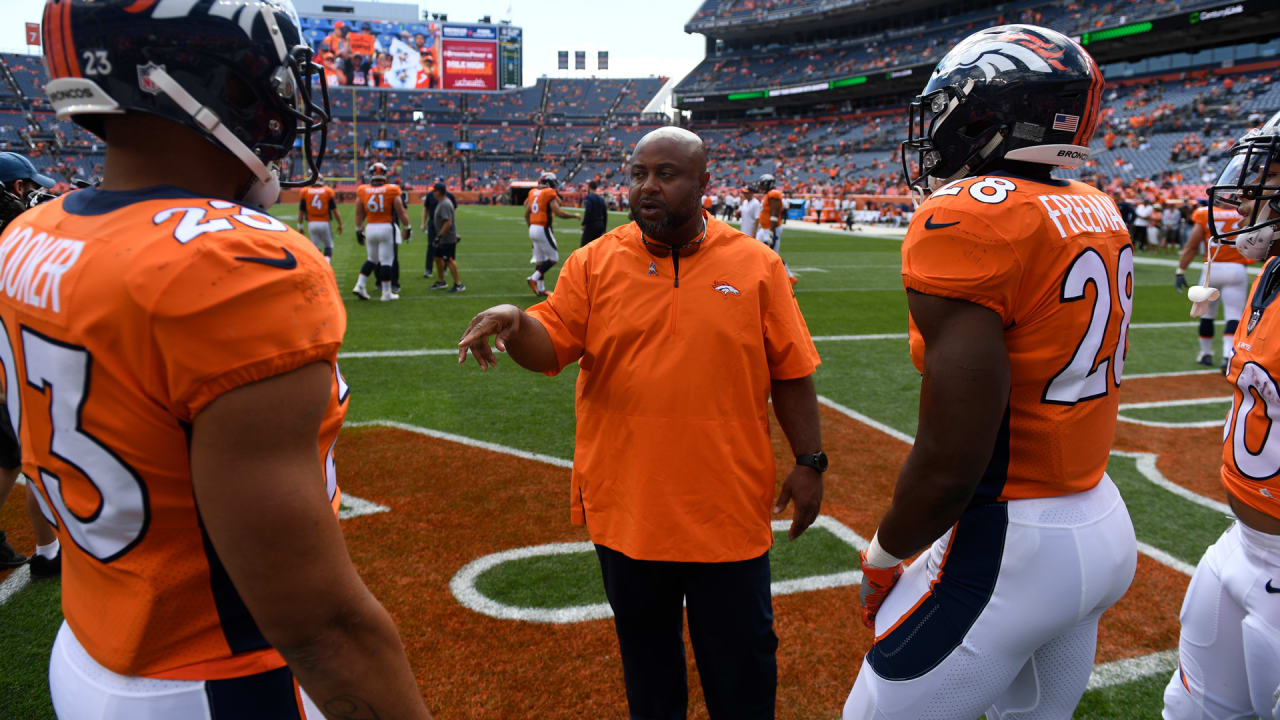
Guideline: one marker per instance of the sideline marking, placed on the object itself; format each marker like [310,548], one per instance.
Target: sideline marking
[1171,403]
[1147,466]
[17,580]
[418,352]
[353,507]
[463,440]
[463,584]
[1130,669]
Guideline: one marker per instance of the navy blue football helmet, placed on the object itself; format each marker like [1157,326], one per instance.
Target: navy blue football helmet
[239,73]
[1249,175]
[1017,92]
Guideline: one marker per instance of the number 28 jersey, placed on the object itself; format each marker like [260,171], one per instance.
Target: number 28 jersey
[125,314]
[1053,259]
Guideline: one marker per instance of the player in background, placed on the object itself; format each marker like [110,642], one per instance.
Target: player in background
[1229,276]
[378,203]
[1229,646]
[317,206]
[172,373]
[773,214]
[22,187]
[750,211]
[542,204]
[1019,292]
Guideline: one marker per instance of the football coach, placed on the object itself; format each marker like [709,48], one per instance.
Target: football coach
[682,328]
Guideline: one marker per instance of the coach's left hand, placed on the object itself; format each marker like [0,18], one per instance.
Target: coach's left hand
[804,486]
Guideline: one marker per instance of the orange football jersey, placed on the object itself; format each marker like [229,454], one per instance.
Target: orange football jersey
[1055,262]
[318,199]
[1227,221]
[378,201]
[1250,450]
[766,220]
[126,315]
[540,205]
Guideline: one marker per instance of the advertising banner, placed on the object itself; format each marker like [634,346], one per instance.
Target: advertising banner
[562,61]
[469,64]
[580,60]
[602,60]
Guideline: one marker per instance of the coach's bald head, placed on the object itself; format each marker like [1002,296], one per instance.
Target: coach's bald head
[668,171]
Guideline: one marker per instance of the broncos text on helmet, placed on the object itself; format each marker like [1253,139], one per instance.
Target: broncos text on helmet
[240,76]
[1249,176]
[1015,92]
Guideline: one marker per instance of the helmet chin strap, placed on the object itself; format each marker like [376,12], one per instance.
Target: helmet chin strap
[1256,244]
[265,188]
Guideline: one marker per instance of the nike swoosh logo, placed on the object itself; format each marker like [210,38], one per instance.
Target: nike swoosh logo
[929,224]
[288,262]
[1272,589]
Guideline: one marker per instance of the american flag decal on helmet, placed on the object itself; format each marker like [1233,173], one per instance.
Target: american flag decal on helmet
[1069,123]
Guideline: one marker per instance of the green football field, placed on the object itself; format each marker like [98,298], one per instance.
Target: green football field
[400,360]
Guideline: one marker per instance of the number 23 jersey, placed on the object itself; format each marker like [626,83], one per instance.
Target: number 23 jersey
[125,314]
[1053,259]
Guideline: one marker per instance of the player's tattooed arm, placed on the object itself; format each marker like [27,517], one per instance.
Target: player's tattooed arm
[962,403]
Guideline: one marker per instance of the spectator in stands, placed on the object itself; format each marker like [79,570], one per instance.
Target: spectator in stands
[363,42]
[429,203]
[595,217]
[427,76]
[673,473]
[446,235]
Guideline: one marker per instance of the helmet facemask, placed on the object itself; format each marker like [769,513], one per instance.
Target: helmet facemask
[1246,177]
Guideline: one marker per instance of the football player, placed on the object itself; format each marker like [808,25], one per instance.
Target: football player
[316,205]
[1229,647]
[379,202]
[542,204]
[1020,292]
[1224,271]
[773,213]
[170,363]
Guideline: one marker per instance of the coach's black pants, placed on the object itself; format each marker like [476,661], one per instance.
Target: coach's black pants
[730,624]
[591,232]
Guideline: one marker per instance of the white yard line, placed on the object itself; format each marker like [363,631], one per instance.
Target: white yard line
[463,440]
[463,584]
[417,352]
[1120,672]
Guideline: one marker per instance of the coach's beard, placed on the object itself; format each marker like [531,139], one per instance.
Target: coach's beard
[661,229]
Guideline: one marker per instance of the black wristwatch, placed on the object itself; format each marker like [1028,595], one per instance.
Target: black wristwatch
[817,461]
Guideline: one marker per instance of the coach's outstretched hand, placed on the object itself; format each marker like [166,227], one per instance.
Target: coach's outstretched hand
[517,334]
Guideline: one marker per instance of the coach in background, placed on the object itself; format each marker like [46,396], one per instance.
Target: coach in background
[1229,647]
[682,328]
[595,216]
[1026,540]
[429,227]
[446,236]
